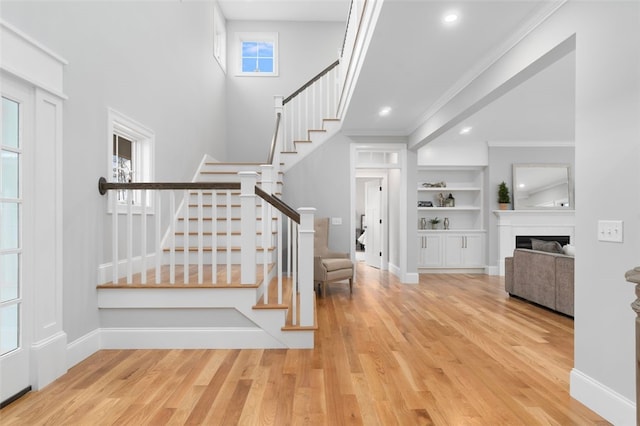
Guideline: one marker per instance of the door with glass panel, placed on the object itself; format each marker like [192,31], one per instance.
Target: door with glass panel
[14,306]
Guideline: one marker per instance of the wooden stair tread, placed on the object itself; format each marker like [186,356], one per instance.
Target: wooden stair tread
[221,273]
[219,249]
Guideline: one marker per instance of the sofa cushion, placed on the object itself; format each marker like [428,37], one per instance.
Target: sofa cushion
[546,246]
[569,250]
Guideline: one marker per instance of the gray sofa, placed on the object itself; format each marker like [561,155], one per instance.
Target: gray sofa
[541,277]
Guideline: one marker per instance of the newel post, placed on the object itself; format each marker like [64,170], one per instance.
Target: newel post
[633,276]
[305,265]
[248,182]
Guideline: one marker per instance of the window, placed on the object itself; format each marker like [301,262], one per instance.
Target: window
[258,54]
[130,158]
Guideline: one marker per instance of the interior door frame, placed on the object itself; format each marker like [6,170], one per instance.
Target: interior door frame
[397,147]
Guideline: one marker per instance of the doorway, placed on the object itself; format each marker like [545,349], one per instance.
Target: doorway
[15,310]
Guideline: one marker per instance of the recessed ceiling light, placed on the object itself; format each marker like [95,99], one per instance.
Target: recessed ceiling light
[465,130]
[450,17]
[521,185]
[384,111]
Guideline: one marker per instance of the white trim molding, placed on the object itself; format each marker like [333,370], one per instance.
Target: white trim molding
[603,400]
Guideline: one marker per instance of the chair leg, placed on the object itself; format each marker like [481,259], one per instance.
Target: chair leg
[350,285]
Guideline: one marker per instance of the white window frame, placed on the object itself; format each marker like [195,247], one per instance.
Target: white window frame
[220,37]
[143,140]
[257,37]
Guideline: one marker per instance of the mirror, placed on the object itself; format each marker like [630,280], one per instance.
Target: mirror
[542,186]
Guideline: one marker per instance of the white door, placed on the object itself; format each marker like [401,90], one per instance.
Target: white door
[373,214]
[15,339]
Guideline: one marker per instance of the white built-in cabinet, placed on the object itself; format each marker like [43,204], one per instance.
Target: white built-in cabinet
[462,246]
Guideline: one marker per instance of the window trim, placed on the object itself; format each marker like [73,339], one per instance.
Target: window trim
[270,37]
[219,37]
[144,142]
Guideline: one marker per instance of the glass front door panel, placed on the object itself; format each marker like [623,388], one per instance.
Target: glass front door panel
[10,227]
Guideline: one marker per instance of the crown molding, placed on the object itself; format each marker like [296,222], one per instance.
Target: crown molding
[530,144]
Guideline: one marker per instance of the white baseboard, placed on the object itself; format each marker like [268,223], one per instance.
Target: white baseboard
[82,348]
[187,338]
[411,278]
[395,270]
[606,402]
[492,270]
[105,274]
[48,360]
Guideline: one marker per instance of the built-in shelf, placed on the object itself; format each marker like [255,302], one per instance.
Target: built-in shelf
[461,247]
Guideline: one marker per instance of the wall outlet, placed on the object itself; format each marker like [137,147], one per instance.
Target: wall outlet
[336,221]
[610,230]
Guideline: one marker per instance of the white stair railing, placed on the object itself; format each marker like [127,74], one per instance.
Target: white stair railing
[195,222]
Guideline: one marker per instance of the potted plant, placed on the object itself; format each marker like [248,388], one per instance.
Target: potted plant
[503,196]
[434,222]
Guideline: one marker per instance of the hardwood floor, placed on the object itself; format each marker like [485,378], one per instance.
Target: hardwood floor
[453,350]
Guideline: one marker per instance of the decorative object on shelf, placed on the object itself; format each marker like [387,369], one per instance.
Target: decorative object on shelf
[425,204]
[446,223]
[440,200]
[435,185]
[434,222]
[450,201]
[503,196]
[423,223]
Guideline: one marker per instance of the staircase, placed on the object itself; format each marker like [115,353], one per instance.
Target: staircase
[202,292]
[232,265]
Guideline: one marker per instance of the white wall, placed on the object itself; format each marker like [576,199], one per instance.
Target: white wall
[152,61]
[321,180]
[306,48]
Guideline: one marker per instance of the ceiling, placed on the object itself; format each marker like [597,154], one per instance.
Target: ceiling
[415,62]
[285,10]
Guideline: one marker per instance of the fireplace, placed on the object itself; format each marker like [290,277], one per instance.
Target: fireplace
[539,224]
[524,241]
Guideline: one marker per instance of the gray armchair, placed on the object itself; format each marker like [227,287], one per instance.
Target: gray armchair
[329,266]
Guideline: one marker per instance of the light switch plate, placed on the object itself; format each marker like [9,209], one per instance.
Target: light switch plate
[336,221]
[610,230]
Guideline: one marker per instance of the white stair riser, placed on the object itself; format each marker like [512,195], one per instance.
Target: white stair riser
[220,240]
[221,257]
[207,225]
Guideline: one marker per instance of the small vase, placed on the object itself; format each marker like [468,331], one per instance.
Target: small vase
[446,223]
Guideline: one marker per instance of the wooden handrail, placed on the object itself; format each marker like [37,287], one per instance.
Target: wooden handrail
[310,82]
[355,43]
[272,150]
[104,185]
[279,204]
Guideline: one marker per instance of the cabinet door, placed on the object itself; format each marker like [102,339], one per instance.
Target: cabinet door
[429,250]
[454,251]
[473,251]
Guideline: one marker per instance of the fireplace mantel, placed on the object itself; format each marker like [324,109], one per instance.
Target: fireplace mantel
[530,222]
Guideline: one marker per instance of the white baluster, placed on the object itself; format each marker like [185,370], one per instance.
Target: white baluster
[228,237]
[294,275]
[200,239]
[172,238]
[129,236]
[158,238]
[279,261]
[214,237]
[185,238]
[143,237]
[114,237]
